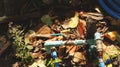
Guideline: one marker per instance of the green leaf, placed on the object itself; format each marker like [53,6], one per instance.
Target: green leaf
[26,41]
[16,33]
[57,60]
[50,61]
[113,56]
[29,47]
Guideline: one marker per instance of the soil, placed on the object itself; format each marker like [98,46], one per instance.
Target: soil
[7,58]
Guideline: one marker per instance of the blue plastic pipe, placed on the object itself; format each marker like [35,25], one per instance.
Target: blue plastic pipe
[58,43]
[113,13]
[54,54]
[101,63]
[117,2]
[114,5]
[58,34]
